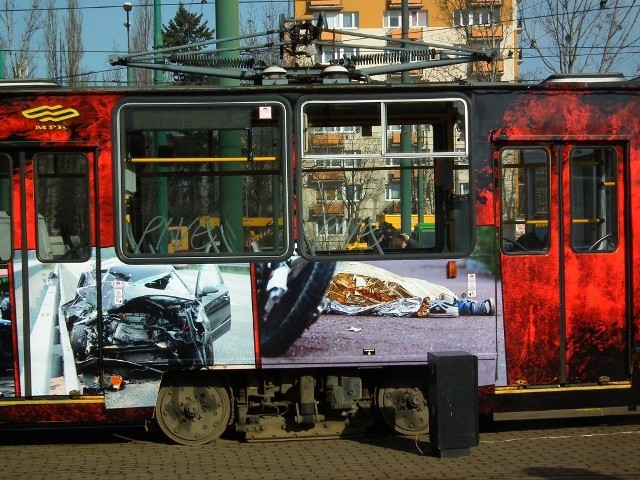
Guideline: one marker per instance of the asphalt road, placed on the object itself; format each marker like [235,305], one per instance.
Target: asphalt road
[596,448]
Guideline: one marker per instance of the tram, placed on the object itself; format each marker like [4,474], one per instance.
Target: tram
[293,260]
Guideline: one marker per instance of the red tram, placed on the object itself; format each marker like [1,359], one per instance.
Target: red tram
[284,259]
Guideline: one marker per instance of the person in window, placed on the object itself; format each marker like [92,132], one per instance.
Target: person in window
[399,241]
[5,306]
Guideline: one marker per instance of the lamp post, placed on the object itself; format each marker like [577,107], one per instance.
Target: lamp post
[127,6]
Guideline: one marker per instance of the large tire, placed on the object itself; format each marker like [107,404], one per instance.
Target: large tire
[193,409]
[296,309]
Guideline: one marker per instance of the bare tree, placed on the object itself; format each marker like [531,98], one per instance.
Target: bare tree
[479,25]
[254,21]
[142,39]
[574,36]
[114,76]
[73,49]
[19,44]
[50,32]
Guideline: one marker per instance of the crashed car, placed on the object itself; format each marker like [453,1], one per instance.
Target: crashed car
[150,316]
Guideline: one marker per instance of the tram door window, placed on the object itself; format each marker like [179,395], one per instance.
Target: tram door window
[525,200]
[62,207]
[5,208]
[203,179]
[593,192]
[372,169]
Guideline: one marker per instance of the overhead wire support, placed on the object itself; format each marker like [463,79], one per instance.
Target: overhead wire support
[299,38]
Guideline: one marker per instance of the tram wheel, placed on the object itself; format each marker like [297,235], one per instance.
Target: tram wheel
[401,402]
[193,409]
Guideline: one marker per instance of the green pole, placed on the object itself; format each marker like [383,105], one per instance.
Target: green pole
[231,186]
[158,76]
[160,139]
[405,138]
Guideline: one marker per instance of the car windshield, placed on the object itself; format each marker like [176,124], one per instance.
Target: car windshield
[156,277]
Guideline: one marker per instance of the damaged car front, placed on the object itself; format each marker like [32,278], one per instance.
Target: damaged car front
[150,317]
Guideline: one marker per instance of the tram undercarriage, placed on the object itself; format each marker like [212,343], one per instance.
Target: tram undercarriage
[198,407]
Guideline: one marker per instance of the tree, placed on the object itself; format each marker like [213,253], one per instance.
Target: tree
[261,48]
[142,39]
[184,29]
[484,26]
[18,44]
[73,50]
[64,50]
[583,36]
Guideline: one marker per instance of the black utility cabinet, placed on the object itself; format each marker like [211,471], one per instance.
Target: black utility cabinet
[453,403]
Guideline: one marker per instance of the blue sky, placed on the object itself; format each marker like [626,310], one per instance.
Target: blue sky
[104,26]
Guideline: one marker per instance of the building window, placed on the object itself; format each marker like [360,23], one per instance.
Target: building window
[333,225]
[343,20]
[482,16]
[393,19]
[328,55]
[352,193]
[392,191]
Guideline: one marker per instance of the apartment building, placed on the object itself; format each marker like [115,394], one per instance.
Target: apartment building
[490,25]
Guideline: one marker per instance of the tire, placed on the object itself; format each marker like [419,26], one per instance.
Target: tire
[295,310]
[79,339]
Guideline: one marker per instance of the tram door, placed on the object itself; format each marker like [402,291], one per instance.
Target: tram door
[564,275]
[48,225]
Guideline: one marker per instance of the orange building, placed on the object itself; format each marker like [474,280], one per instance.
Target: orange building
[489,25]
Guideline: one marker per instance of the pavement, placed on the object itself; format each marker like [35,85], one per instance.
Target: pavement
[558,449]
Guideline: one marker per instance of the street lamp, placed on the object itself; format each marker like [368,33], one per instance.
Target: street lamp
[127,6]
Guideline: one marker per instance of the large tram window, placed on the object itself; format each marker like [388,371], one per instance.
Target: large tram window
[5,208]
[204,180]
[62,207]
[594,215]
[380,176]
[525,200]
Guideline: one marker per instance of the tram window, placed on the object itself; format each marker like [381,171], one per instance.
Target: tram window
[203,180]
[5,207]
[593,189]
[62,207]
[367,165]
[525,200]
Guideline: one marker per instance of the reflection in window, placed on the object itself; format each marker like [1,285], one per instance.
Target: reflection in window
[5,208]
[203,180]
[525,200]
[62,207]
[371,169]
[594,189]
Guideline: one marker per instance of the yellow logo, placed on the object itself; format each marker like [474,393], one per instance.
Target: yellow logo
[47,113]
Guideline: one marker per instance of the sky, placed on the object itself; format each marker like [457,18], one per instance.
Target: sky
[104,26]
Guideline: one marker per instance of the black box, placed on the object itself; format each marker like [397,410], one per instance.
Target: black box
[453,403]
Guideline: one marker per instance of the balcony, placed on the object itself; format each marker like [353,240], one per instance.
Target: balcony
[330,36]
[325,5]
[480,32]
[327,140]
[484,67]
[393,4]
[413,33]
[331,175]
[336,208]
